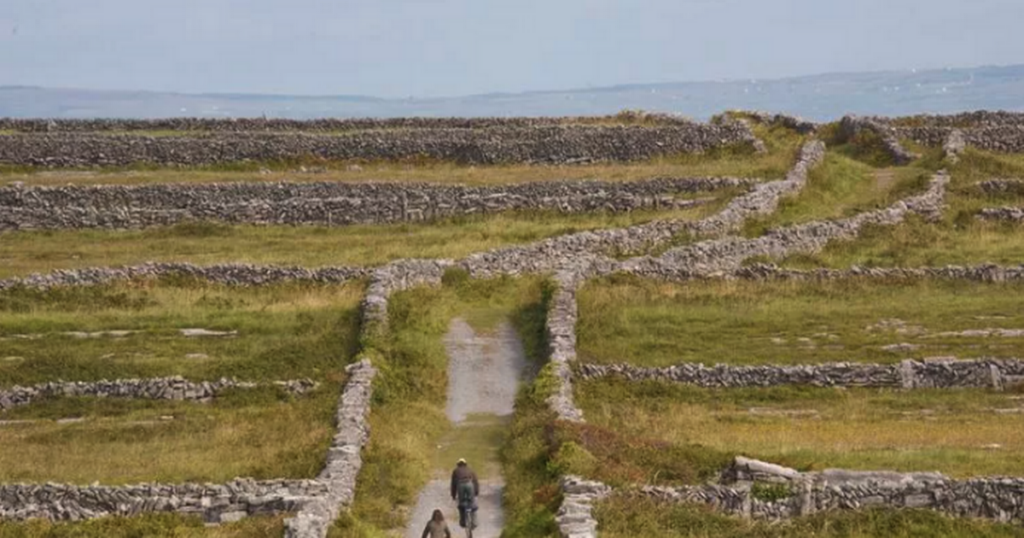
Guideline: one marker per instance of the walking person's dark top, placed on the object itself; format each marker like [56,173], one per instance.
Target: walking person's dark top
[436,527]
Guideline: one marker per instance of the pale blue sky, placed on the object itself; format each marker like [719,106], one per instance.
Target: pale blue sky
[427,48]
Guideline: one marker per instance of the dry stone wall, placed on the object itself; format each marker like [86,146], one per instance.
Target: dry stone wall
[727,254]
[575,517]
[581,252]
[215,503]
[993,373]
[963,120]
[560,328]
[226,274]
[500,145]
[1001,499]
[1007,138]
[1001,186]
[976,273]
[45,125]
[850,126]
[1007,214]
[344,457]
[160,388]
[328,204]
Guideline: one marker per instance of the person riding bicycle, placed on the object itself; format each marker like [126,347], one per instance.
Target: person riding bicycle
[464,488]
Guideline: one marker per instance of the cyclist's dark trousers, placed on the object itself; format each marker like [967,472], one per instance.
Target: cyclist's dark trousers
[467,516]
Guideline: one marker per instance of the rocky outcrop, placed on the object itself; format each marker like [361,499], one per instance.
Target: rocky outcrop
[344,457]
[575,517]
[993,373]
[215,503]
[233,274]
[851,126]
[328,203]
[158,388]
[560,328]
[560,144]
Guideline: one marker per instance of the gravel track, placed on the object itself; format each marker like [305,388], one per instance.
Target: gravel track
[483,375]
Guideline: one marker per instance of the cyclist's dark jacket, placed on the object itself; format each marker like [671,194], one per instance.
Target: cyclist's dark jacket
[461,474]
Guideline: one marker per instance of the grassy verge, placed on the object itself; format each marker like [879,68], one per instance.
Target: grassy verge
[145,526]
[408,418]
[626,516]
[649,323]
[841,187]
[284,332]
[953,432]
[729,161]
[27,252]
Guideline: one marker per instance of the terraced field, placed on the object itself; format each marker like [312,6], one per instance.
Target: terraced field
[741,328]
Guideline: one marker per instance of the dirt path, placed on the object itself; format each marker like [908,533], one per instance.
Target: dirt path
[483,375]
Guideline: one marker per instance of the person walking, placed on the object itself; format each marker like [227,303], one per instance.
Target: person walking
[464,488]
[437,527]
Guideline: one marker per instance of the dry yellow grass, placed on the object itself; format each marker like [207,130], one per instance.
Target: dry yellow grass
[955,432]
[27,252]
[263,438]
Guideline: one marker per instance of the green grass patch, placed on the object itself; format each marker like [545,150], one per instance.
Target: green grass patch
[958,238]
[145,526]
[259,434]
[26,252]
[626,516]
[842,187]
[532,494]
[284,331]
[650,323]
[953,432]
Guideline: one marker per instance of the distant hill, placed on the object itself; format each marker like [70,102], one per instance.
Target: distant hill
[818,97]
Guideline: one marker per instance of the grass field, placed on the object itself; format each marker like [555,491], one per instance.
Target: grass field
[146,526]
[958,433]
[842,187]
[26,252]
[283,332]
[958,238]
[261,434]
[730,161]
[625,517]
[625,319]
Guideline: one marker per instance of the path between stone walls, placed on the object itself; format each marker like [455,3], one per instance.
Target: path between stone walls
[484,370]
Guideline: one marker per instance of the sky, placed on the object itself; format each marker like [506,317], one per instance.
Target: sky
[433,48]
